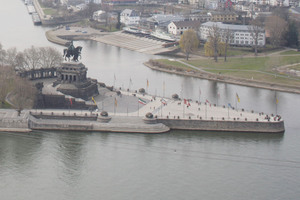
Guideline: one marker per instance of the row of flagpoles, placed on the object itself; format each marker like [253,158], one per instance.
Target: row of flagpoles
[140,101]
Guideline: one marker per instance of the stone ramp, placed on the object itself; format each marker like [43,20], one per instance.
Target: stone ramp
[132,42]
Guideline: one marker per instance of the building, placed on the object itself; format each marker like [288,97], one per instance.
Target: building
[161,21]
[129,17]
[99,16]
[225,16]
[177,28]
[121,2]
[199,17]
[241,34]
[93,1]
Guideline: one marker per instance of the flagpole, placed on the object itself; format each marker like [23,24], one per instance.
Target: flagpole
[205,110]
[276,101]
[114,79]
[161,107]
[138,108]
[228,111]
[199,94]
[164,89]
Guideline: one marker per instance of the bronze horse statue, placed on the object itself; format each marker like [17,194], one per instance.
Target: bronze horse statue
[73,53]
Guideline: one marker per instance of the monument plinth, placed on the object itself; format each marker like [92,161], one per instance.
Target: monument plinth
[73,81]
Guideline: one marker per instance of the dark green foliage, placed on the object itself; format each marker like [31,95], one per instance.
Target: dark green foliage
[292,35]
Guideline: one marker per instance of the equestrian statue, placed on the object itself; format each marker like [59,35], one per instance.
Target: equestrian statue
[72,53]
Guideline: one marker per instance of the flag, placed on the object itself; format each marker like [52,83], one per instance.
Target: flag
[94,100]
[187,102]
[116,103]
[230,106]
[141,101]
[237,97]
[70,101]
[130,81]
[208,102]
[147,83]
[163,101]
[276,100]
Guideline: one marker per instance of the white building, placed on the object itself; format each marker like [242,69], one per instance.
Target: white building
[241,34]
[129,17]
[93,1]
[99,16]
[177,28]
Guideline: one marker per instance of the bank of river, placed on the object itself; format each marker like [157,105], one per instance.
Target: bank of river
[226,79]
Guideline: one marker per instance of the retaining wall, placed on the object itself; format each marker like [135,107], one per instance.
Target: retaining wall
[235,126]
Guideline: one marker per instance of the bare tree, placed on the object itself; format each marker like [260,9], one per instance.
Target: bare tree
[11,57]
[32,58]
[255,30]
[188,42]
[2,54]
[227,37]
[23,94]
[214,39]
[276,27]
[7,77]
[49,57]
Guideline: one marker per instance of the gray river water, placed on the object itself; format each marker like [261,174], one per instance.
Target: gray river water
[176,165]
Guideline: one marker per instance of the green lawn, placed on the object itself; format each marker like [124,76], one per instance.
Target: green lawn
[5,105]
[49,11]
[256,68]
[290,52]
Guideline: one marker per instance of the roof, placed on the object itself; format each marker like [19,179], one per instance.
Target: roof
[166,18]
[187,24]
[227,26]
[129,12]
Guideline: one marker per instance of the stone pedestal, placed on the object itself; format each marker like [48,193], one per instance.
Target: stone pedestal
[73,81]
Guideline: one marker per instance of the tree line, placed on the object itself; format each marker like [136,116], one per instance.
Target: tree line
[18,91]
[281,29]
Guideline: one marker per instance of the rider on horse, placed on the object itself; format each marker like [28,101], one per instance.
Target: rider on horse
[71,47]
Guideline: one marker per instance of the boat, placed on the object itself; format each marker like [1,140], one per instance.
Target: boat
[163,36]
[36,19]
[31,9]
[131,29]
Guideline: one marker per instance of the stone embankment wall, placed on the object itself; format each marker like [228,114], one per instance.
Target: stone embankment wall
[234,126]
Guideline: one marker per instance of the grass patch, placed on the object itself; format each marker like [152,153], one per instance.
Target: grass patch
[174,64]
[49,11]
[290,52]
[297,67]
[256,68]
[5,105]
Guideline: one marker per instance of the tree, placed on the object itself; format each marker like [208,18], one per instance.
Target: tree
[188,42]
[255,30]
[2,54]
[276,27]
[209,49]
[227,36]
[214,39]
[49,57]
[7,77]
[23,94]
[292,35]
[32,58]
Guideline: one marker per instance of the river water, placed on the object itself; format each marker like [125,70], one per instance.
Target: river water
[176,165]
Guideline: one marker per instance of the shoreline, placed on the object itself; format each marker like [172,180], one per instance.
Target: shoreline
[93,35]
[230,80]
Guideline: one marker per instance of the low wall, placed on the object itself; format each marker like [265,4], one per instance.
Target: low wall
[235,126]
[65,117]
